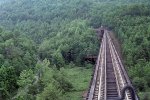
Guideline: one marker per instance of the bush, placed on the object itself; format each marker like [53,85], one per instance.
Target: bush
[144,96]
[50,93]
[140,84]
[62,82]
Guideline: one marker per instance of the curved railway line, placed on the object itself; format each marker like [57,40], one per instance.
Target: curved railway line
[110,77]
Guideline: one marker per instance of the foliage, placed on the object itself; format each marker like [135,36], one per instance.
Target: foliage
[49,93]
[25,78]
[79,77]
[61,32]
[61,82]
[131,23]
[139,83]
[45,83]
[144,95]
[8,81]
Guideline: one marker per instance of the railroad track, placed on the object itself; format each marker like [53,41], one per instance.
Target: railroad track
[110,77]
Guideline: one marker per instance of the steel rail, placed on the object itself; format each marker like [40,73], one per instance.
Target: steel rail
[124,74]
[100,94]
[105,96]
[93,85]
[118,67]
[99,88]
[115,70]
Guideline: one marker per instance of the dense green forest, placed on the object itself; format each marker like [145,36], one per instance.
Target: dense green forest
[43,43]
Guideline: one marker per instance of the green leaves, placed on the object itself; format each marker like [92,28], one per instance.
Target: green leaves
[26,78]
[8,79]
[140,84]
[75,41]
[50,93]
[61,82]
[131,24]
[61,32]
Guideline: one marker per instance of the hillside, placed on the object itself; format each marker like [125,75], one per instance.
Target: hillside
[44,42]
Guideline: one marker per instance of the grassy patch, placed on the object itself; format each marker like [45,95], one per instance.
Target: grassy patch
[80,78]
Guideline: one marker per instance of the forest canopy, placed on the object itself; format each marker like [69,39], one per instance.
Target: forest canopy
[43,43]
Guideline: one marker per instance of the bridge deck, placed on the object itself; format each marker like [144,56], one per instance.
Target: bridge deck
[109,77]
